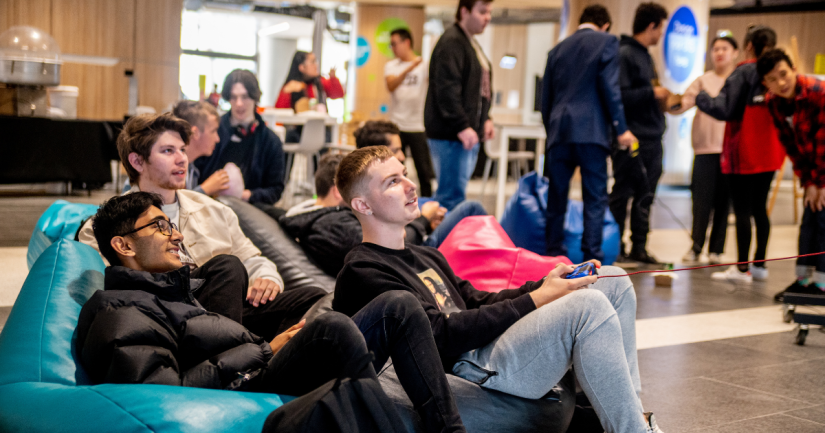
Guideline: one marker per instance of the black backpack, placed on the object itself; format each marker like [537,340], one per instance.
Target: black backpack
[341,405]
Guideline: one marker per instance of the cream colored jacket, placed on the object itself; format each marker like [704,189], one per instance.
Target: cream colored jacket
[210,228]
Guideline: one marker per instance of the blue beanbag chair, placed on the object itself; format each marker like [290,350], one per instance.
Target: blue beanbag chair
[525,219]
[60,221]
[43,386]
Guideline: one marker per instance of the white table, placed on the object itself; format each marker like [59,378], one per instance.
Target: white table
[281,116]
[504,132]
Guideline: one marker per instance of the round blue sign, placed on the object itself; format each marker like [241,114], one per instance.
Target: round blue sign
[362,51]
[681,43]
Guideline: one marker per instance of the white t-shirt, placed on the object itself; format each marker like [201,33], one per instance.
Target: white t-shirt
[407,105]
[173,212]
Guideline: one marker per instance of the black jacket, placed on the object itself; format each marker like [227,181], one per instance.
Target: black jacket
[637,72]
[263,169]
[454,100]
[148,328]
[327,235]
[471,320]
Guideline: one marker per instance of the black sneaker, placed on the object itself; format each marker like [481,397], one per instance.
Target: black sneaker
[624,262]
[795,287]
[642,256]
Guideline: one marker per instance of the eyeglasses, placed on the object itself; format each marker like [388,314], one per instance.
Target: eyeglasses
[164,226]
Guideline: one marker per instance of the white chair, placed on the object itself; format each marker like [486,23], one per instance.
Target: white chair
[493,150]
[313,139]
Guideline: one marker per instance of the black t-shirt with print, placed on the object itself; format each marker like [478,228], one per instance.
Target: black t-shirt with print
[462,318]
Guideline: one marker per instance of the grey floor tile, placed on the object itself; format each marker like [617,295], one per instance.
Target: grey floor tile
[768,424]
[700,359]
[695,292]
[815,414]
[801,380]
[783,344]
[698,403]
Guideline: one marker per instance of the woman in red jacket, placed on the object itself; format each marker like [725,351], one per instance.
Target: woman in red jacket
[751,152]
[304,84]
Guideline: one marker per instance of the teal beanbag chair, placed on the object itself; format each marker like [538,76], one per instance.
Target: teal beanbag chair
[60,221]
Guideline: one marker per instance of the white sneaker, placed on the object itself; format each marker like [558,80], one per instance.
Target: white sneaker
[714,259]
[690,258]
[759,274]
[652,426]
[733,275]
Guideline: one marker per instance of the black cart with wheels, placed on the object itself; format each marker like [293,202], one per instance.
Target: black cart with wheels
[804,320]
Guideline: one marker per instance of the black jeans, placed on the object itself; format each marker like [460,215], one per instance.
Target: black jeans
[812,239]
[637,178]
[709,191]
[749,193]
[420,150]
[395,326]
[327,348]
[224,292]
[560,162]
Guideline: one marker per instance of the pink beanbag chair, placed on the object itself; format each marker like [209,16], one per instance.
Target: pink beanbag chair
[480,251]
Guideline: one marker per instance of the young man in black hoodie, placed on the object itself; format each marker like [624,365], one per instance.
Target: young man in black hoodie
[637,175]
[147,327]
[518,341]
[327,229]
[456,111]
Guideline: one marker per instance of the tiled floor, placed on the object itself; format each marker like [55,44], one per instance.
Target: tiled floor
[714,357]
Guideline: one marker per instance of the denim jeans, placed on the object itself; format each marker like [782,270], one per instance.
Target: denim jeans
[463,210]
[395,326]
[593,330]
[453,167]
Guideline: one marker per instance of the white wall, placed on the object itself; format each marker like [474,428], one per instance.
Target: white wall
[274,60]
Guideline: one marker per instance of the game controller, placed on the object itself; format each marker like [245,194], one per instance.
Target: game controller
[583,270]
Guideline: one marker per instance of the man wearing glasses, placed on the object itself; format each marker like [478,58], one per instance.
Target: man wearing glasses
[152,149]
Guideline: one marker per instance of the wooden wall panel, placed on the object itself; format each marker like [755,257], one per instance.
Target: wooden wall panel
[143,34]
[158,85]
[508,39]
[370,88]
[157,33]
[95,27]
[36,13]
[806,26]
[103,91]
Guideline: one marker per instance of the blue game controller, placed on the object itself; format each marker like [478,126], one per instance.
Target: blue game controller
[583,270]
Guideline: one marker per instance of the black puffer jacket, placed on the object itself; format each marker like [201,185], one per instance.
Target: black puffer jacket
[327,235]
[148,328]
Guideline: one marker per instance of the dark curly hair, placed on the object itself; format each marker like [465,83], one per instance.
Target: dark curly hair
[769,59]
[647,14]
[374,133]
[117,216]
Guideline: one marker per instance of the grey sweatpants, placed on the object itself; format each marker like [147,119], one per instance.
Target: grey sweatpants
[592,329]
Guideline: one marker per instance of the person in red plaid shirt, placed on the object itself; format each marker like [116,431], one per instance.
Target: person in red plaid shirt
[797,106]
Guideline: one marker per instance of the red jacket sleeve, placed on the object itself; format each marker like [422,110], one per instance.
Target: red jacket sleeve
[284,100]
[332,87]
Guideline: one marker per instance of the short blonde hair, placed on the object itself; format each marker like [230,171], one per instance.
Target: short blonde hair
[195,112]
[352,172]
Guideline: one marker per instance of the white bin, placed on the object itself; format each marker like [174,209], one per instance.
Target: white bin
[64,98]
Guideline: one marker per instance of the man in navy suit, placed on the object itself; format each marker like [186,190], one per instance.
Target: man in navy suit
[581,106]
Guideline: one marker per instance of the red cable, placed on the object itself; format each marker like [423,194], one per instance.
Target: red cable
[710,266]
